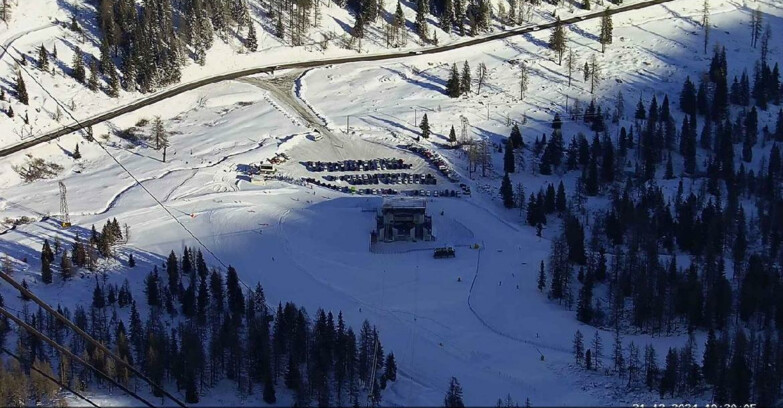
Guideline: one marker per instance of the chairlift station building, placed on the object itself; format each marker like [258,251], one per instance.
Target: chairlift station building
[403,219]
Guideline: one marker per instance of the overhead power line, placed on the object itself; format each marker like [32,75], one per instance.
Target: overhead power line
[64,350]
[49,377]
[87,337]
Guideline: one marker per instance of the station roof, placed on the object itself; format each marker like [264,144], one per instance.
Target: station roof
[404,203]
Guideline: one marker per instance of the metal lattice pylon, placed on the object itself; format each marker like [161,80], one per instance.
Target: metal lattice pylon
[464,130]
[66,218]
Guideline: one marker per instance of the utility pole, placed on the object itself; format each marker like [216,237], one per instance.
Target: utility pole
[415,118]
[347,122]
[164,153]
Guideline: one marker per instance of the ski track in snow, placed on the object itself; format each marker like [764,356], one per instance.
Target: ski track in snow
[195,170]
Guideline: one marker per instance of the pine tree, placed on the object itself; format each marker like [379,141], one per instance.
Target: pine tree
[251,42]
[453,88]
[391,368]
[421,20]
[131,261]
[606,30]
[507,192]
[541,275]
[114,83]
[447,16]
[459,16]
[579,347]
[43,59]
[452,136]
[584,305]
[465,80]
[76,153]
[79,72]
[425,127]
[66,267]
[47,257]
[516,137]
[557,41]
[92,84]
[21,91]
[597,349]
[688,97]
[453,397]
[669,378]
[619,355]
[641,113]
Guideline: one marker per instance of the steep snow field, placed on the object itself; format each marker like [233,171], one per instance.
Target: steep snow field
[479,316]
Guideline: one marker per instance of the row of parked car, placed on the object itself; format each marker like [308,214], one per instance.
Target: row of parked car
[434,159]
[358,165]
[350,189]
[385,178]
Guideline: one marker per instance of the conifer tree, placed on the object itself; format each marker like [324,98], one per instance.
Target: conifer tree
[79,72]
[579,347]
[92,84]
[66,267]
[421,20]
[605,37]
[452,136]
[541,273]
[453,397]
[459,16]
[557,41]
[21,91]
[507,192]
[516,137]
[425,127]
[114,83]
[251,42]
[447,16]
[43,58]
[465,80]
[453,88]
[597,349]
[131,261]
[47,257]
[76,153]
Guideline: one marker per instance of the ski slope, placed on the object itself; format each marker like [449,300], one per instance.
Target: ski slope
[478,317]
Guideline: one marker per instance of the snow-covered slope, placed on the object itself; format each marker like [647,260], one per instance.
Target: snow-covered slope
[478,317]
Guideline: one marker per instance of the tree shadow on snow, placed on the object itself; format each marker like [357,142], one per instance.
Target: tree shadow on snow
[394,124]
[579,31]
[422,84]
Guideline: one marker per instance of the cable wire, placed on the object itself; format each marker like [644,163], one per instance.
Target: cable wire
[135,179]
[80,332]
[70,354]
[49,377]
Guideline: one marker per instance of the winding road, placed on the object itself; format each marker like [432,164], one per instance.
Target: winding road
[140,103]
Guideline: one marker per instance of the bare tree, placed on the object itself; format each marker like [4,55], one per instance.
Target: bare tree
[595,73]
[705,23]
[5,12]
[570,64]
[523,80]
[481,75]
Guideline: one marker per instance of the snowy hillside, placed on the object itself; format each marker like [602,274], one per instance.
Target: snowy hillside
[482,317]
